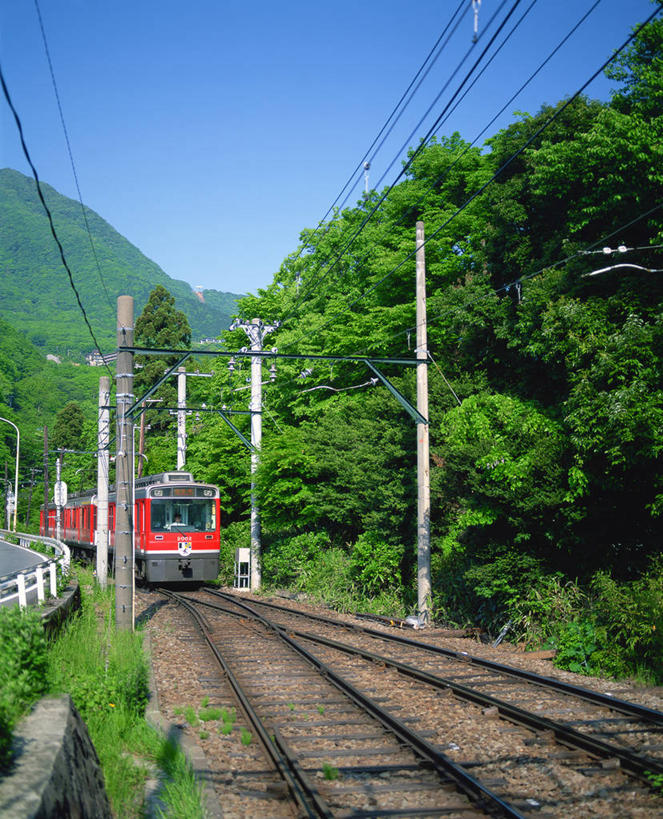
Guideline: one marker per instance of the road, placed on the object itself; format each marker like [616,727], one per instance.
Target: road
[14,558]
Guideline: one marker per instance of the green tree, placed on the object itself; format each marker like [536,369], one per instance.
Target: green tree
[68,430]
[160,325]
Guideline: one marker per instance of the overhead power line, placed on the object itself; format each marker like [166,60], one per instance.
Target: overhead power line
[505,286]
[448,169]
[406,166]
[503,167]
[393,118]
[71,155]
[26,152]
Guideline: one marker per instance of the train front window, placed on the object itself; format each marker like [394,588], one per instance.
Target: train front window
[183,515]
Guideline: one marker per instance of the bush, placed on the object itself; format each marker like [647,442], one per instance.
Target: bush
[285,561]
[547,606]
[375,564]
[632,615]
[234,536]
[23,649]
[329,578]
[499,586]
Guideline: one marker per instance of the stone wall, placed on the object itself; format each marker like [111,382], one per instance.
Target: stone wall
[56,770]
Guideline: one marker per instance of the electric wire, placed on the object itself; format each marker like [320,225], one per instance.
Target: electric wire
[540,67]
[448,170]
[26,152]
[431,58]
[527,276]
[71,155]
[503,167]
[448,110]
[406,166]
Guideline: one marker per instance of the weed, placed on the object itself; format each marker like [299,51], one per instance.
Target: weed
[329,772]
[207,714]
[228,716]
[204,702]
[321,709]
[228,719]
[246,736]
[203,734]
[190,716]
[655,780]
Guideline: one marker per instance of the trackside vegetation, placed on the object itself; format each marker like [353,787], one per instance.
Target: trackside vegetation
[545,334]
[106,674]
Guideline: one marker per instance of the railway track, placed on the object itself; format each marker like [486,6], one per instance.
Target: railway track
[357,723]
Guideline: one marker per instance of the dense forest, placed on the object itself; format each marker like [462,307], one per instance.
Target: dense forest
[545,331]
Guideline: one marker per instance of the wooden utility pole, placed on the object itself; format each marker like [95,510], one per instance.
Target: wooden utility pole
[124,395]
[423,447]
[103,442]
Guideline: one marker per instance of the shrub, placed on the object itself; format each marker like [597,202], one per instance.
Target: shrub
[234,536]
[23,649]
[285,561]
[375,564]
[547,606]
[329,578]
[500,584]
[632,615]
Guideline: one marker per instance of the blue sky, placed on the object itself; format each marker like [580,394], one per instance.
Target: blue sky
[210,133]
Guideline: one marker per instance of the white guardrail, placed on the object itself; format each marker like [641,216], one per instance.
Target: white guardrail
[17,586]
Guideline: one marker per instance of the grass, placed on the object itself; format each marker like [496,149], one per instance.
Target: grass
[106,674]
[329,772]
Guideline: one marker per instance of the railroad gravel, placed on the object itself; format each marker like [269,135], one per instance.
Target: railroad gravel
[185,676]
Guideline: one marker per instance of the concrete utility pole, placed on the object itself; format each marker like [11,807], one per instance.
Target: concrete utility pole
[124,557]
[103,441]
[18,451]
[46,481]
[256,331]
[58,499]
[181,417]
[182,411]
[423,448]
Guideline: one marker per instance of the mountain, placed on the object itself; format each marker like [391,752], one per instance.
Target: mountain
[35,293]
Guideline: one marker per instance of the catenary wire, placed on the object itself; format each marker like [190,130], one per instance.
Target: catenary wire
[395,115]
[324,273]
[495,117]
[448,170]
[480,190]
[71,155]
[26,152]
[527,276]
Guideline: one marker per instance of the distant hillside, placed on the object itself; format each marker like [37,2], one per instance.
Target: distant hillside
[35,295]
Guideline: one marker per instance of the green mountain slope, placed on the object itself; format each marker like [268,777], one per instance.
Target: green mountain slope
[35,293]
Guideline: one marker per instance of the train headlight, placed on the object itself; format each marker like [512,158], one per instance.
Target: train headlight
[157,493]
[208,493]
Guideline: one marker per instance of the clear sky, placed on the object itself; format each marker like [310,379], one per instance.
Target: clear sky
[211,132]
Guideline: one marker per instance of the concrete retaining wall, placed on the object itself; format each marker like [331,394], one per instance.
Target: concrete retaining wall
[56,770]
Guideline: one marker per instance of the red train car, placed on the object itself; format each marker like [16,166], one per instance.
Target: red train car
[176,527]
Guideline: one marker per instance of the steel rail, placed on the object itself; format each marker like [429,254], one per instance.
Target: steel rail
[301,787]
[614,703]
[630,761]
[634,763]
[482,796]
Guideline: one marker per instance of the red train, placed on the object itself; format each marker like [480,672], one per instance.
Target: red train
[176,527]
